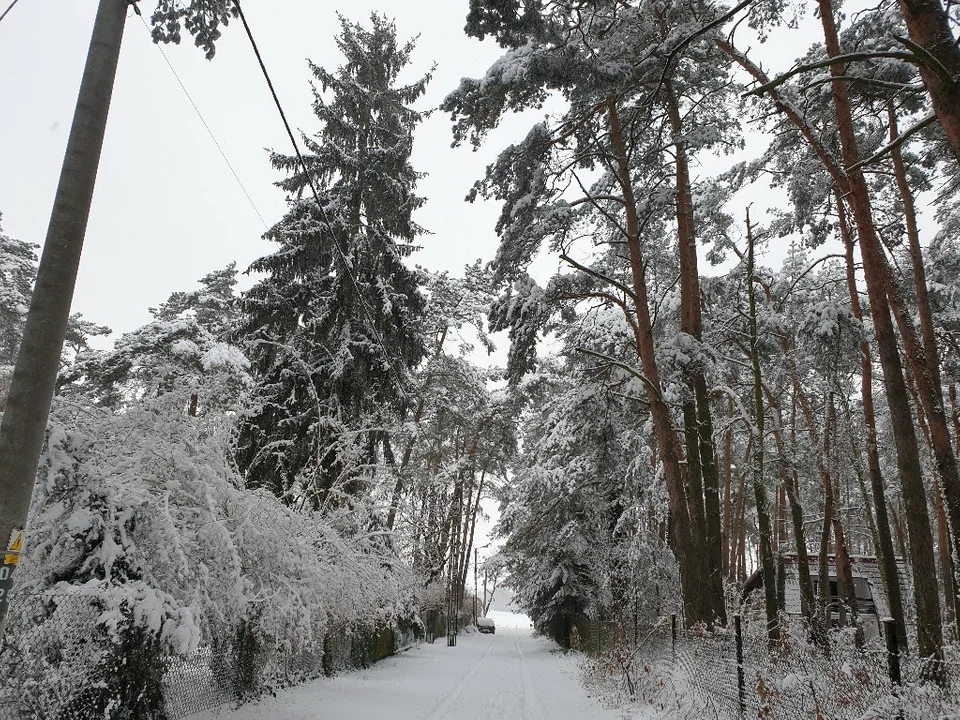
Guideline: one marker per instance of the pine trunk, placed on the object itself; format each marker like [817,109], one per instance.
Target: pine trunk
[727,478]
[929,628]
[886,555]
[698,420]
[767,562]
[696,608]
[845,589]
[929,382]
[808,604]
[929,27]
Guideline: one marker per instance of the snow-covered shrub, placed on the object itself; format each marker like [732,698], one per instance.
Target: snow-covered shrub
[143,514]
[626,675]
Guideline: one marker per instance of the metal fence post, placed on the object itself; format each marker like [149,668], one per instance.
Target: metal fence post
[893,652]
[673,634]
[893,657]
[741,684]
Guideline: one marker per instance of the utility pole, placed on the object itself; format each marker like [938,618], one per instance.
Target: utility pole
[476,588]
[484,590]
[34,379]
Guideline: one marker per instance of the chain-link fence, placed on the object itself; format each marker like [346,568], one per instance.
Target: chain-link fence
[697,674]
[61,660]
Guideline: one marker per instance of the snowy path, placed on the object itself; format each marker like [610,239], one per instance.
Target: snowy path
[507,676]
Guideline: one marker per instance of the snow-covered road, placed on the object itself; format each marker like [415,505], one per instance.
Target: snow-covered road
[507,676]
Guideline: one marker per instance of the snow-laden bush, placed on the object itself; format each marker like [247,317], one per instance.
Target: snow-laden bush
[143,515]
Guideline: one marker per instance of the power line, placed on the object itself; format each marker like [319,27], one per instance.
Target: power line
[316,197]
[9,8]
[209,131]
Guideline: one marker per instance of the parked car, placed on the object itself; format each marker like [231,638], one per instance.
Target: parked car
[486,625]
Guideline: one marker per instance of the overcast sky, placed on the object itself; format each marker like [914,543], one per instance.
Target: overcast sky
[167,209]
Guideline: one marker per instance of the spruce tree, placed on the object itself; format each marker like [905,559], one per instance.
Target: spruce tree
[333,325]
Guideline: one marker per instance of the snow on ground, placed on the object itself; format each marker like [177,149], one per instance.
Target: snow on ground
[507,676]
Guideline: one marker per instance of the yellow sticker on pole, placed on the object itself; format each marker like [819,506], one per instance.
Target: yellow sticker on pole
[12,556]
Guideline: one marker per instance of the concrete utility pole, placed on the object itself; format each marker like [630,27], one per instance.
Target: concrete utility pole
[38,362]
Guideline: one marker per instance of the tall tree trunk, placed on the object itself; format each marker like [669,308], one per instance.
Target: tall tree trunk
[826,527]
[767,562]
[924,313]
[727,478]
[472,517]
[739,514]
[943,552]
[943,526]
[926,596]
[896,515]
[808,604]
[929,382]
[929,27]
[882,293]
[698,422]
[697,606]
[780,537]
[831,521]
[846,592]
[742,555]
[887,556]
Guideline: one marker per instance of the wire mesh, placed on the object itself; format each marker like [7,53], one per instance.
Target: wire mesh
[58,660]
[196,682]
[694,674]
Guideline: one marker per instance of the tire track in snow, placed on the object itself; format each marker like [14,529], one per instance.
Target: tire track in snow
[440,711]
[532,709]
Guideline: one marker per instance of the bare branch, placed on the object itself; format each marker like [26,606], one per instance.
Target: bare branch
[804,274]
[600,276]
[927,59]
[891,146]
[910,87]
[623,366]
[832,167]
[838,60]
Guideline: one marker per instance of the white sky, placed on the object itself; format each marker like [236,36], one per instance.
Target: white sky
[167,209]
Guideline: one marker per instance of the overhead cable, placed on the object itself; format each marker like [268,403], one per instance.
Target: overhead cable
[316,196]
[209,131]
[9,8]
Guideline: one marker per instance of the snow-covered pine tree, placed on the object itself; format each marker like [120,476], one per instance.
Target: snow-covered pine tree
[185,348]
[18,268]
[333,326]
[643,93]
[583,522]
[18,271]
[214,304]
